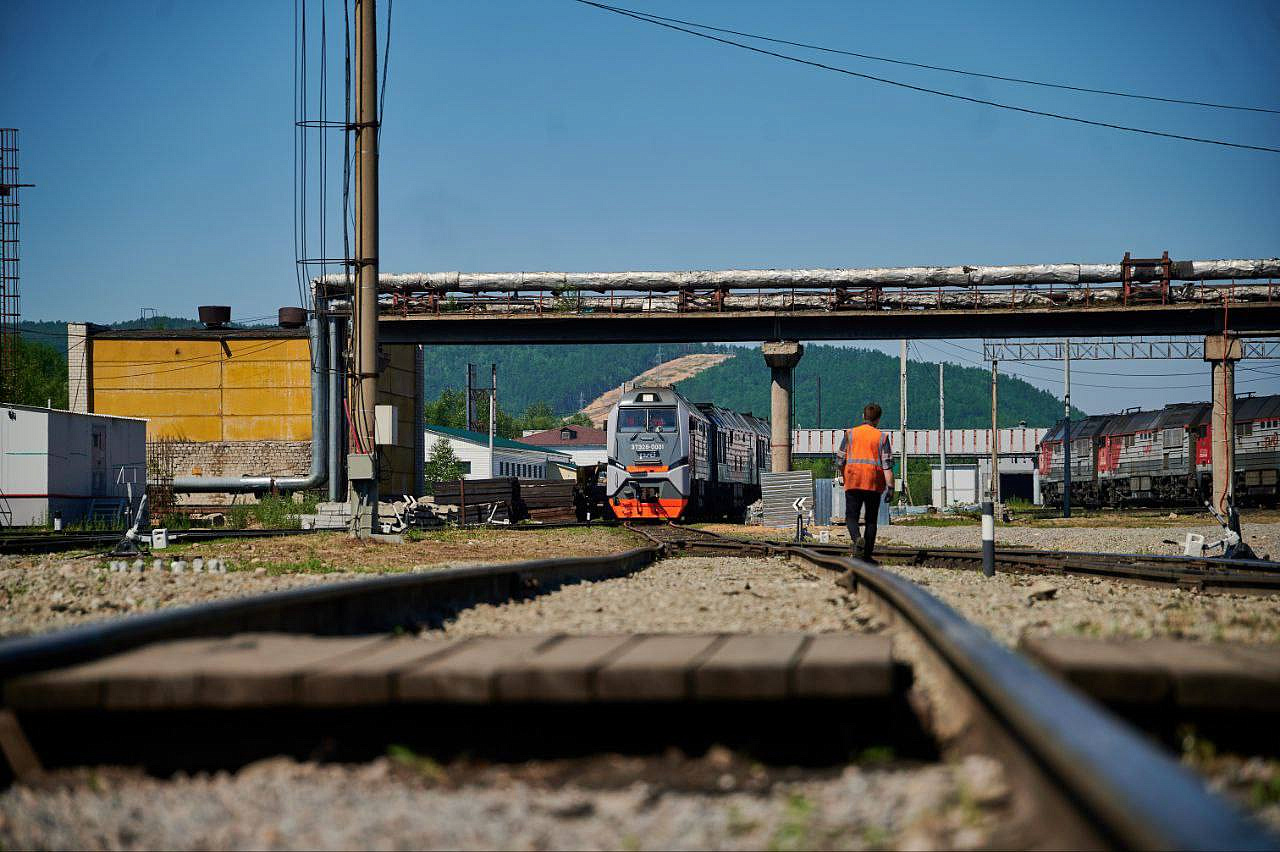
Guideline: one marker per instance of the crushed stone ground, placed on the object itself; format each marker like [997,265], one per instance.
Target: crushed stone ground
[44,593]
[281,804]
[1097,607]
[720,594]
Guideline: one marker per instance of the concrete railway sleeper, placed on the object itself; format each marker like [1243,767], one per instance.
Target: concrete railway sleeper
[1078,776]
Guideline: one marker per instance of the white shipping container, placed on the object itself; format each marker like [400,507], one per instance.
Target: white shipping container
[55,461]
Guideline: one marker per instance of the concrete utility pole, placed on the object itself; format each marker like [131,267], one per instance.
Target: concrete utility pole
[902,418]
[365,304]
[471,398]
[995,437]
[1222,352]
[819,378]
[942,434]
[782,357]
[1066,434]
[493,412]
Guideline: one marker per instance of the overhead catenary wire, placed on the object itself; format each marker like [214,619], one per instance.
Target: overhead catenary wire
[926,90]
[943,68]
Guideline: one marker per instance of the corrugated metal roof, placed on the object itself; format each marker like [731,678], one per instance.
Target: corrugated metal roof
[483,439]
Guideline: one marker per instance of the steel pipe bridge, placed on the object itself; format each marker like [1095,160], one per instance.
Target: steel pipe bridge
[1135,297]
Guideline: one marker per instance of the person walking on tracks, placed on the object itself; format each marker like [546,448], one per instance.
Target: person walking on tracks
[865,461]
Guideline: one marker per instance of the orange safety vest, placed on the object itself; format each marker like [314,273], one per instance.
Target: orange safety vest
[862,469]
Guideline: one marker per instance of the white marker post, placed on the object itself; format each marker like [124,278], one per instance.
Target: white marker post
[988,538]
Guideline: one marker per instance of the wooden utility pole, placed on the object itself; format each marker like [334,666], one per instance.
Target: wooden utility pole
[364,305]
[995,437]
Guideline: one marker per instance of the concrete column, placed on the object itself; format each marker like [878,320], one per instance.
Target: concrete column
[782,357]
[79,386]
[1223,352]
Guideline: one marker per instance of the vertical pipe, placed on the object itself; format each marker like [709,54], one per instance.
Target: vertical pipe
[1066,433]
[995,436]
[902,417]
[988,538]
[942,434]
[336,421]
[366,301]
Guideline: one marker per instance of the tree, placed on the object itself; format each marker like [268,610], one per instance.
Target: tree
[449,410]
[539,416]
[40,377]
[578,419]
[444,464]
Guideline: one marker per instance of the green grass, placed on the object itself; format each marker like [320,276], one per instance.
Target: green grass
[937,521]
[796,828]
[272,512]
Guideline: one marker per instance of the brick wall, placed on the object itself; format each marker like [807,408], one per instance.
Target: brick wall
[238,458]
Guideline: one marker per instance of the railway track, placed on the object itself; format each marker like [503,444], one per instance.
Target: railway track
[1080,776]
[1243,576]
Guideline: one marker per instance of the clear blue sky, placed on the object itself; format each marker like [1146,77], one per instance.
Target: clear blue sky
[549,135]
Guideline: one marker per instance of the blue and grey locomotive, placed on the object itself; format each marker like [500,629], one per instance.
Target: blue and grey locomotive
[672,459]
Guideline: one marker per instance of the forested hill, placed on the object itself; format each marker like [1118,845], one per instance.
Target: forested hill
[54,332]
[853,377]
[563,376]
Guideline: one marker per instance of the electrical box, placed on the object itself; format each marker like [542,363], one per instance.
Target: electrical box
[359,466]
[386,425]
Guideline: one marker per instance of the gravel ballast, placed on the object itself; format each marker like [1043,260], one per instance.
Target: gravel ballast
[1263,538]
[1067,605]
[280,804]
[39,594]
[721,594]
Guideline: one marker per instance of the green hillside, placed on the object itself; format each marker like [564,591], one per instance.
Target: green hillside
[853,377]
[565,377]
[561,376]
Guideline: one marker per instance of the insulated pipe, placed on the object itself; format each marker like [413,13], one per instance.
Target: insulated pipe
[319,440]
[820,279]
[336,376]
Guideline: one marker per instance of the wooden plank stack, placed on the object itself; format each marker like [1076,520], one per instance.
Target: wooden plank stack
[547,500]
[508,499]
[479,500]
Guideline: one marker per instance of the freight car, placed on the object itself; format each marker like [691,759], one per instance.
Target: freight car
[671,459]
[1163,458]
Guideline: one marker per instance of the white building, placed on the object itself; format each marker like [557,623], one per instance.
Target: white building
[510,458]
[78,466]
[584,444]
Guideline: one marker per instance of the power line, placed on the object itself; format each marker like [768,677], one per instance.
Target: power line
[928,67]
[925,90]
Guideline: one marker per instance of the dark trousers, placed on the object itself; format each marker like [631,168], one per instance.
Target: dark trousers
[854,500]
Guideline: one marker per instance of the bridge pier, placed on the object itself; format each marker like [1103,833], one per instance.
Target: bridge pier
[782,357]
[1222,352]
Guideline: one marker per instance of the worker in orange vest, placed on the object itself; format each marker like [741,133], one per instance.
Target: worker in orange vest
[865,461]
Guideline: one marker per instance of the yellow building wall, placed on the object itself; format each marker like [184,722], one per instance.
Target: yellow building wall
[241,389]
[207,390]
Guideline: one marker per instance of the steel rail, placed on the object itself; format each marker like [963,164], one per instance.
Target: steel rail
[54,542]
[1122,790]
[1128,792]
[359,606]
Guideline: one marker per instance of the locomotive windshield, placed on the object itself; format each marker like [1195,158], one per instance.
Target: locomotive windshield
[646,419]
